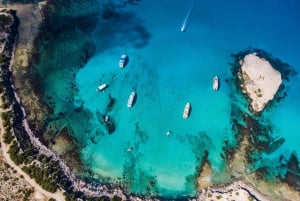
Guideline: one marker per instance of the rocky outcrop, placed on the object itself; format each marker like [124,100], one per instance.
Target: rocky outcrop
[237,190]
[260,81]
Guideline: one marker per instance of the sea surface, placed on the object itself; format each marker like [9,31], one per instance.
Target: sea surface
[168,68]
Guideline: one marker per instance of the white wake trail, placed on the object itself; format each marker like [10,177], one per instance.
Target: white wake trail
[187,18]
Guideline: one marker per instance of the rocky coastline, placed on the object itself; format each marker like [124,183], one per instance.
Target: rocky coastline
[21,131]
[232,190]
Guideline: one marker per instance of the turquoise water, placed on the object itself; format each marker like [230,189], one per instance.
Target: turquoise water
[168,68]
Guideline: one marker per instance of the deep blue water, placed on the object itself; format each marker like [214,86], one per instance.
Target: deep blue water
[168,68]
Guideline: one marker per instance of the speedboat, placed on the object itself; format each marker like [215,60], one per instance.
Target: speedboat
[215,83]
[183,27]
[187,18]
[102,87]
[186,111]
[131,99]
[123,61]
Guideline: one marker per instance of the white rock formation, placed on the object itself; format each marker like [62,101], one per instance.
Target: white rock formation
[260,81]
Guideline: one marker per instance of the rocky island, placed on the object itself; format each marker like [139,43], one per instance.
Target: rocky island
[260,81]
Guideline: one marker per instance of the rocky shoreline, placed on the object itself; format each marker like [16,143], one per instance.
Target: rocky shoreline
[235,188]
[21,124]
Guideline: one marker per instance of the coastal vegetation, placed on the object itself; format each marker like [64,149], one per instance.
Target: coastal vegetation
[44,169]
[13,187]
[49,106]
[46,172]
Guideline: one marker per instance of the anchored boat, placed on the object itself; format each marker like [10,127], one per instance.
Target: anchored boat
[102,87]
[215,83]
[186,111]
[123,61]
[131,99]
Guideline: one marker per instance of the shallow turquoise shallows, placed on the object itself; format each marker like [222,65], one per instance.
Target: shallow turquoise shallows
[168,68]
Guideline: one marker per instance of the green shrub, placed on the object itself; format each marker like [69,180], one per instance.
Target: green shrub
[43,176]
[14,154]
[5,178]
[27,193]
[4,105]
[116,198]
[7,137]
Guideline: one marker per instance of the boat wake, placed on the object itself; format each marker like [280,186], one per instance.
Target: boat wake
[187,17]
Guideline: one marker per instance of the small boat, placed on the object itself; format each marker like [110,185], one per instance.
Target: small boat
[215,83]
[185,22]
[187,18]
[123,61]
[131,99]
[168,132]
[186,111]
[183,27]
[102,87]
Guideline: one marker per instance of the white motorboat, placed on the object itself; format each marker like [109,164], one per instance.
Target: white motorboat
[123,61]
[215,83]
[131,99]
[102,87]
[186,111]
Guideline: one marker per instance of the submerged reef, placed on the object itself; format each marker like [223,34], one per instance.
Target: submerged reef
[260,76]
[22,151]
[46,83]
[256,130]
[292,176]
